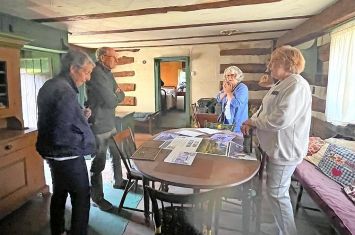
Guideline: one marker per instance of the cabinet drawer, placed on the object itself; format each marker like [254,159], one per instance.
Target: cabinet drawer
[16,144]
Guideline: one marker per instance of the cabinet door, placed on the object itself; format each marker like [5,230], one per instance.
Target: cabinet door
[21,176]
[10,89]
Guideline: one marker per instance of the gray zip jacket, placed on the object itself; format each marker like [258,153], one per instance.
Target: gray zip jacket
[283,121]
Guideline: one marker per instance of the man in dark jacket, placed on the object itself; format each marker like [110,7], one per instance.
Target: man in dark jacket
[64,137]
[103,97]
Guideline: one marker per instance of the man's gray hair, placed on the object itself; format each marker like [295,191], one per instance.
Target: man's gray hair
[234,70]
[75,58]
[101,51]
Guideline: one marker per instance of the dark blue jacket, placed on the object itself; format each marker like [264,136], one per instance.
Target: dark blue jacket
[62,128]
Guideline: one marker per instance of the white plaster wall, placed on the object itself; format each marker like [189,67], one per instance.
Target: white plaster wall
[204,63]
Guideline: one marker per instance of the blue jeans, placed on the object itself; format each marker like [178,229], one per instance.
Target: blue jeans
[278,183]
[70,177]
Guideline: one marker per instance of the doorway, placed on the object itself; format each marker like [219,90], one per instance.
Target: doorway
[172,91]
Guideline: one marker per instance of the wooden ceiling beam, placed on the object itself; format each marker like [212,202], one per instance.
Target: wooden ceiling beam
[192,44]
[189,25]
[190,37]
[160,10]
[341,11]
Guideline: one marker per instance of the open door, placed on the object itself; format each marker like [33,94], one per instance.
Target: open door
[182,93]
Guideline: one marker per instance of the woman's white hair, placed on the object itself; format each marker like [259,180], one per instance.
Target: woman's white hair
[234,70]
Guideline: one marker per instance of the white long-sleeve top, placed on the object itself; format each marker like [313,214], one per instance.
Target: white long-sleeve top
[283,120]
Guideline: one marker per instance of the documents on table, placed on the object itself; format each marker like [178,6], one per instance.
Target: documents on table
[164,136]
[179,157]
[146,153]
[183,150]
[189,133]
[223,137]
[186,144]
[209,130]
[236,151]
[209,146]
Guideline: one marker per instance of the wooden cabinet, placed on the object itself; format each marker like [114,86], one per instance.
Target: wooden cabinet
[21,167]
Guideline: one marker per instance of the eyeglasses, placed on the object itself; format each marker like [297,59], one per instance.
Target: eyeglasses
[111,56]
[230,75]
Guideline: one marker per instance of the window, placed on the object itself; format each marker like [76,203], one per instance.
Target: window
[34,72]
[341,76]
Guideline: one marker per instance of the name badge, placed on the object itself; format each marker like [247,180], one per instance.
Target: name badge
[275,93]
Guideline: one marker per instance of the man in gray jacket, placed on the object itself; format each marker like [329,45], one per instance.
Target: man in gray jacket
[103,97]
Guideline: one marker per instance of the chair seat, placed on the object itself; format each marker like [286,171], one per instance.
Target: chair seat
[181,220]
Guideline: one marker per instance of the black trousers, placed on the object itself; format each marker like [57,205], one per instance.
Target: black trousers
[70,177]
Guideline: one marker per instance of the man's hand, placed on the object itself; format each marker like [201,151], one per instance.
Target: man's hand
[87,112]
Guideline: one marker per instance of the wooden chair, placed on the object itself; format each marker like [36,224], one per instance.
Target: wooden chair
[202,118]
[194,118]
[248,196]
[126,146]
[182,213]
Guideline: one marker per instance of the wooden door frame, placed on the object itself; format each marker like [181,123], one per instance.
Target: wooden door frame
[186,60]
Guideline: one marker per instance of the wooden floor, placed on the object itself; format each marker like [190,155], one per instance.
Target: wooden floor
[33,217]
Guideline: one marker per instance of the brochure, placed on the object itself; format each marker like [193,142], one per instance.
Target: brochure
[178,157]
[236,151]
[185,144]
[209,131]
[209,146]
[164,136]
[189,133]
[223,137]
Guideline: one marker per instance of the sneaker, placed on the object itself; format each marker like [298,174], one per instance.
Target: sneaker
[104,205]
[121,186]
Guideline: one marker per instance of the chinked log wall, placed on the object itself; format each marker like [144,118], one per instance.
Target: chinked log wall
[126,87]
[251,58]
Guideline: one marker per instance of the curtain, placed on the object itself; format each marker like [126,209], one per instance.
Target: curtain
[31,81]
[341,77]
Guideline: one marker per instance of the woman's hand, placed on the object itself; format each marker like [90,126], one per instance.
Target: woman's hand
[246,126]
[87,112]
[227,87]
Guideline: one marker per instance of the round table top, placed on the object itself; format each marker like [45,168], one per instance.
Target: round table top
[206,172]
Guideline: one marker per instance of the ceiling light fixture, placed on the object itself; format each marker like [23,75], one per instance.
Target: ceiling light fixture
[229,32]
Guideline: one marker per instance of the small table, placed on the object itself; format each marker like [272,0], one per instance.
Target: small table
[206,172]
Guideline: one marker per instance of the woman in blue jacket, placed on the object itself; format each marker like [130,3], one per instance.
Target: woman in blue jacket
[233,98]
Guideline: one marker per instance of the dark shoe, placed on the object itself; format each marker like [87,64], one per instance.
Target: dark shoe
[121,186]
[104,205]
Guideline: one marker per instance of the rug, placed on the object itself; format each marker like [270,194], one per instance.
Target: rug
[111,223]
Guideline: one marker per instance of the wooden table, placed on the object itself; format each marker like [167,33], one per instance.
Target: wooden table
[206,172]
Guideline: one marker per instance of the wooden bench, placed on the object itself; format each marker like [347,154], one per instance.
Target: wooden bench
[328,195]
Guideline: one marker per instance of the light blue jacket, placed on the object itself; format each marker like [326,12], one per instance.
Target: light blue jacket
[238,106]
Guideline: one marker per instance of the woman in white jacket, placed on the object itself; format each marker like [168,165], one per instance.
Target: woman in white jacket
[282,126]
